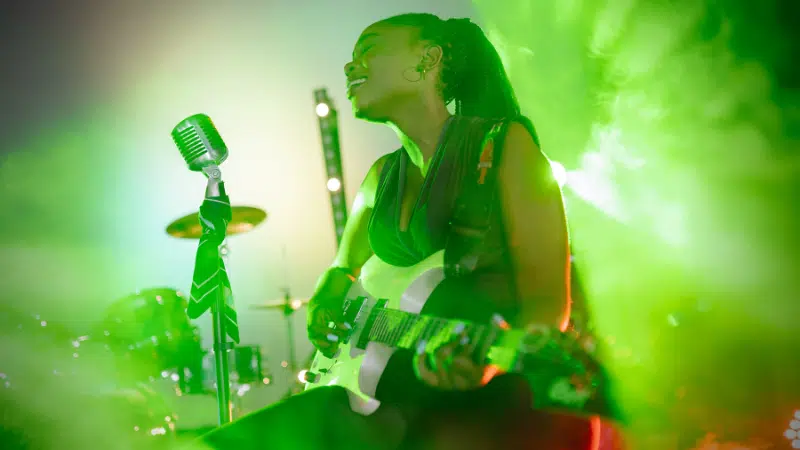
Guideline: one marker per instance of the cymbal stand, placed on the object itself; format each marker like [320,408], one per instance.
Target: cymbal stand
[288,313]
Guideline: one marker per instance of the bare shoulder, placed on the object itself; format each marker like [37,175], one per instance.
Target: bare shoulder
[523,160]
[369,186]
[377,166]
[520,143]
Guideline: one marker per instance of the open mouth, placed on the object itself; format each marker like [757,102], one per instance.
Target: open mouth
[353,84]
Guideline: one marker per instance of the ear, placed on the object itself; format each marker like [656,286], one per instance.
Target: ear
[431,57]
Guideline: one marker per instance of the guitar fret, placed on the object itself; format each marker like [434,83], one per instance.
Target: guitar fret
[411,332]
[445,328]
[419,331]
[406,330]
[402,328]
[426,331]
[437,332]
[397,334]
[375,333]
[397,325]
[388,328]
[382,328]
[442,330]
[434,335]
[373,329]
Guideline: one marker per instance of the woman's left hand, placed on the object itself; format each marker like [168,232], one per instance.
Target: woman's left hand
[450,366]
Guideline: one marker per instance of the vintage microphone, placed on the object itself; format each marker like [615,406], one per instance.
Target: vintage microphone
[203,149]
[200,145]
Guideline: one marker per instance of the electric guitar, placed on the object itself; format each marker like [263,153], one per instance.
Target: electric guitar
[563,375]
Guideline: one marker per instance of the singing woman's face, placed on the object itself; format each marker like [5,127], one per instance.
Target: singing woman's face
[383,71]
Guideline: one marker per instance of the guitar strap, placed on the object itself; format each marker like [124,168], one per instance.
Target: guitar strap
[474,206]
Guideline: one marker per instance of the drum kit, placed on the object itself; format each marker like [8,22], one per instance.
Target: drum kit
[173,344]
[245,360]
[150,340]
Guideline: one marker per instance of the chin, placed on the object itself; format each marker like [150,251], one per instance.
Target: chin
[369,115]
[367,112]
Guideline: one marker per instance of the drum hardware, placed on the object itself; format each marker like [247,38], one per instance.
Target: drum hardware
[288,305]
[248,370]
[243,219]
[282,304]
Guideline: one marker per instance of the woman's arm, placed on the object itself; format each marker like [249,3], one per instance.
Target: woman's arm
[354,251]
[536,230]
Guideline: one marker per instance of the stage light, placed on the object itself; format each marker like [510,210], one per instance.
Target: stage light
[323,110]
[334,184]
[301,376]
[329,133]
[559,173]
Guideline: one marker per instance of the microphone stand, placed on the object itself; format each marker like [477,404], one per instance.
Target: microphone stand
[216,188]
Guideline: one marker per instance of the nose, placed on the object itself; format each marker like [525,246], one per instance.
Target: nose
[349,68]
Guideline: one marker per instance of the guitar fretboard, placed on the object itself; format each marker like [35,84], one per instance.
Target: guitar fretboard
[501,347]
[562,373]
[404,330]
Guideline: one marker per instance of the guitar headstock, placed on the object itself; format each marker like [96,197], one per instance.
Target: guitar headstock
[564,371]
[556,347]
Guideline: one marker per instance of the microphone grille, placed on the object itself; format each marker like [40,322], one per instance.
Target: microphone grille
[195,136]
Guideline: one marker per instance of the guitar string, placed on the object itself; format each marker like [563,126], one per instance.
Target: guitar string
[547,345]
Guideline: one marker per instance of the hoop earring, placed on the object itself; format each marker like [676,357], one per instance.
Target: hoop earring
[418,70]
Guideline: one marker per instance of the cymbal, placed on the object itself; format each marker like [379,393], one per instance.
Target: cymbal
[294,303]
[244,219]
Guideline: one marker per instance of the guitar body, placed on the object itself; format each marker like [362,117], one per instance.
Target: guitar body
[359,370]
[391,308]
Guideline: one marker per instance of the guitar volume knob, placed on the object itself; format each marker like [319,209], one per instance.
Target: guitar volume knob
[311,377]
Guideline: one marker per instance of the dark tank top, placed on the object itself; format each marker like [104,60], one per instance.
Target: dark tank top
[427,225]
[453,164]
[486,290]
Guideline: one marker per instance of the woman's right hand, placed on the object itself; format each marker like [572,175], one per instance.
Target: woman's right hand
[326,327]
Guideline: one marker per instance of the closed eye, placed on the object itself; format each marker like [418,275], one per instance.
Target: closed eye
[363,52]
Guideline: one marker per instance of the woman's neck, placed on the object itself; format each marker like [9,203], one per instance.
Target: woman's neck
[419,126]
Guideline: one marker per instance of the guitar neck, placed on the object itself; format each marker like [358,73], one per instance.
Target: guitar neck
[561,371]
[500,347]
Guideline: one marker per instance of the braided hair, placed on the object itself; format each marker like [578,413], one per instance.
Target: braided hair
[472,73]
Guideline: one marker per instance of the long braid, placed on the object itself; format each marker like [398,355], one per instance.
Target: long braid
[472,72]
